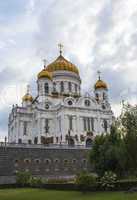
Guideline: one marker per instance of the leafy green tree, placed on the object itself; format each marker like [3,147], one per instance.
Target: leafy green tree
[117,151]
[129,122]
[107,152]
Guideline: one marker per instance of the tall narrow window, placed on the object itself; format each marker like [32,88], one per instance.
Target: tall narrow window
[105,125]
[97,96]
[54,87]
[92,124]
[46,88]
[25,128]
[69,86]
[76,88]
[46,125]
[62,86]
[104,96]
[84,124]
[70,123]
[88,122]
[60,124]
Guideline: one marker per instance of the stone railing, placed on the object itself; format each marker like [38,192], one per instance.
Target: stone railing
[48,146]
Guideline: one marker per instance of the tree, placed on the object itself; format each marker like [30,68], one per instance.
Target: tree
[129,122]
[117,151]
[107,153]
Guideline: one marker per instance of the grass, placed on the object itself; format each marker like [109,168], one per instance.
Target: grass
[43,194]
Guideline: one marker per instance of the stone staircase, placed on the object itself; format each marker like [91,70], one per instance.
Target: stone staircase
[4,161]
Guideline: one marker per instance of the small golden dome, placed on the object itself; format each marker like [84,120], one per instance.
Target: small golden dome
[100,84]
[62,64]
[27,97]
[45,74]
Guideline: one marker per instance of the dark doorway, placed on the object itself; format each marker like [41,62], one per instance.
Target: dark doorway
[35,140]
[71,142]
[20,141]
[89,142]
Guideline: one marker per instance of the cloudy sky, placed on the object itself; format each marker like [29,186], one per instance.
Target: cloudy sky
[97,35]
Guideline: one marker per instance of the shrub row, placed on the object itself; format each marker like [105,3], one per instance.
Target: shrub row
[121,185]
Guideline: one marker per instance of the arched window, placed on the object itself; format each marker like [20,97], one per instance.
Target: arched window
[46,125]
[74,161]
[56,161]
[27,161]
[25,126]
[105,125]
[69,86]
[87,102]
[16,162]
[76,88]
[97,96]
[46,88]
[70,122]
[47,161]
[89,142]
[62,86]
[84,161]
[66,161]
[104,96]
[54,87]
[37,161]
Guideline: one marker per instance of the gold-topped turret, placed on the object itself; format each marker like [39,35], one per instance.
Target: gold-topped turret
[45,73]
[27,96]
[100,84]
[59,64]
[62,64]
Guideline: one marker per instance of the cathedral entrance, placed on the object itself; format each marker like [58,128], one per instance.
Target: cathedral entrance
[71,142]
[89,142]
[43,140]
[36,140]
[20,141]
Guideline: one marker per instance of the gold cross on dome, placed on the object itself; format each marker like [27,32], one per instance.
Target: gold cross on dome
[45,62]
[99,72]
[60,48]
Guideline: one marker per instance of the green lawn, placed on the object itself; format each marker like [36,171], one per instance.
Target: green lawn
[43,194]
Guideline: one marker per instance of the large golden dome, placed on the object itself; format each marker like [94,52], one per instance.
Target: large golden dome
[62,64]
[27,97]
[100,84]
[45,74]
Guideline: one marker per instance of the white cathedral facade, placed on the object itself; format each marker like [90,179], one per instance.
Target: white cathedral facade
[60,114]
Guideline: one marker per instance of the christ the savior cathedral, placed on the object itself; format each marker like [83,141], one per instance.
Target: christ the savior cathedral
[60,114]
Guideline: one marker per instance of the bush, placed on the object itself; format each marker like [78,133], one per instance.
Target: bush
[108,180]
[85,180]
[125,184]
[23,178]
[57,181]
[35,182]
